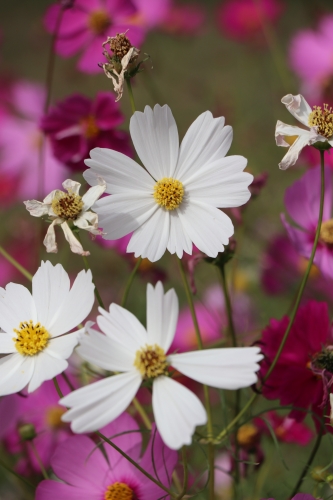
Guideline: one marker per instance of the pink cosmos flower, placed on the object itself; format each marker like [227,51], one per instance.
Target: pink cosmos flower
[21,164]
[303,374]
[88,23]
[242,20]
[78,124]
[184,19]
[87,473]
[41,410]
[302,201]
[286,429]
[310,57]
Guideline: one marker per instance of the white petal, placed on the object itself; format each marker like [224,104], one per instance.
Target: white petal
[122,327]
[15,373]
[71,186]
[98,404]
[74,243]
[155,137]
[208,227]
[179,241]
[36,208]
[50,237]
[298,107]
[46,367]
[206,141]
[92,195]
[283,130]
[294,151]
[101,351]
[16,306]
[50,285]
[7,344]
[222,184]
[162,315]
[150,240]
[76,305]
[120,214]
[177,412]
[120,172]
[62,347]
[228,368]
[89,222]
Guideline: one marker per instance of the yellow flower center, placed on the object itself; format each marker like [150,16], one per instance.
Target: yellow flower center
[118,491]
[99,21]
[67,205]
[53,416]
[89,126]
[322,118]
[169,193]
[326,232]
[31,338]
[151,361]
[247,435]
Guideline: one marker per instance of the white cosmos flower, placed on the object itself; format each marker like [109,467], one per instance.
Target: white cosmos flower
[126,346]
[173,202]
[62,207]
[318,122]
[34,326]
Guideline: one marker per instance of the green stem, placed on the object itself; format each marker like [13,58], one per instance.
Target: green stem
[39,461]
[130,94]
[205,388]
[185,477]
[68,382]
[56,385]
[23,479]
[139,408]
[127,457]
[130,281]
[16,264]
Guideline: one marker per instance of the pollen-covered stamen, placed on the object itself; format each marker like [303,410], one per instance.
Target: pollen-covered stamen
[324,360]
[326,232]
[99,21]
[119,491]
[151,361]
[322,119]
[89,126]
[53,417]
[67,205]
[31,338]
[120,45]
[169,193]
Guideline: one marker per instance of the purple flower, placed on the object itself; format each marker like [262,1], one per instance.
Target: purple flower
[88,23]
[88,474]
[302,201]
[78,124]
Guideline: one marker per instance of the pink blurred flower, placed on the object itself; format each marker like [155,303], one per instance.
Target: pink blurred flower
[310,57]
[184,19]
[21,164]
[242,19]
[41,410]
[303,374]
[78,124]
[87,473]
[299,496]
[88,23]
[286,429]
[302,201]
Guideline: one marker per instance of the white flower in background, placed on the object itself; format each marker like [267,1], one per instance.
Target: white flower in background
[126,346]
[63,207]
[318,122]
[34,326]
[173,202]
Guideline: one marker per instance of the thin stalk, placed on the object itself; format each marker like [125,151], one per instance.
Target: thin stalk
[16,264]
[23,479]
[68,382]
[39,461]
[56,385]
[127,457]
[141,411]
[185,477]
[130,281]
[210,445]
[130,94]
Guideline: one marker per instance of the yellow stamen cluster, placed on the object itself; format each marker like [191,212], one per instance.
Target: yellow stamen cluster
[151,361]
[322,118]
[168,193]
[90,128]
[119,491]
[53,417]
[31,338]
[120,45]
[99,21]
[67,205]
[326,232]
[247,436]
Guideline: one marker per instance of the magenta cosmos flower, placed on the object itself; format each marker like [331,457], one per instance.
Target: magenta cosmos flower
[310,57]
[242,19]
[88,474]
[302,201]
[303,374]
[286,429]
[87,25]
[79,124]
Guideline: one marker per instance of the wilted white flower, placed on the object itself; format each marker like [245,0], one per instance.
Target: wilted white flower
[318,122]
[126,346]
[63,207]
[173,203]
[34,326]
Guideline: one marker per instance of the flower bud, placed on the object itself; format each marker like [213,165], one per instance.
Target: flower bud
[27,432]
